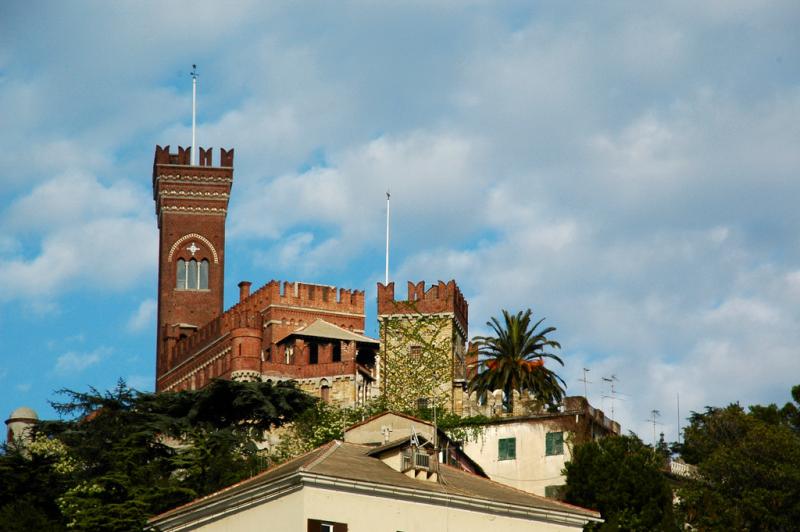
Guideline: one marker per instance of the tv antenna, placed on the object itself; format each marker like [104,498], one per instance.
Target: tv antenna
[654,414]
[585,381]
[193,154]
[613,391]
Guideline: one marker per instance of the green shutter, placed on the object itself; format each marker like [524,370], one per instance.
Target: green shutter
[507,449]
[554,443]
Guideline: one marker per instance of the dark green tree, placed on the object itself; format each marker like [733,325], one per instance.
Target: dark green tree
[123,455]
[621,477]
[749,478]
[513,359]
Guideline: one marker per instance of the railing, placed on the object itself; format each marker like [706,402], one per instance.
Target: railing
[680,469]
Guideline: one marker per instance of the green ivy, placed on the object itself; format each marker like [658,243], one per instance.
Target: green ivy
[428,372]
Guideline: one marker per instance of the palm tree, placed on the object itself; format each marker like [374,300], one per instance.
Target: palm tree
[513,360]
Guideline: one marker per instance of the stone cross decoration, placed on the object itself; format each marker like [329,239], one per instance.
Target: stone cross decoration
[193,249]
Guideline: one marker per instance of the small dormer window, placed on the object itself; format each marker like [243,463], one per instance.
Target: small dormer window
[192,274]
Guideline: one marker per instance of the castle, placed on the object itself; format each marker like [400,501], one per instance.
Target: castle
[310,333]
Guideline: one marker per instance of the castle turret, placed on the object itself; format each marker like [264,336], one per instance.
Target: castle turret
[19,425]
[191,205]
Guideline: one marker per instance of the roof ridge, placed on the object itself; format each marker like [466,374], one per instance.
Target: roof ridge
[332,446]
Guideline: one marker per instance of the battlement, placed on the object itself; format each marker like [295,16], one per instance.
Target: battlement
[439,298]
[305,295]
[213,331]
[184,157]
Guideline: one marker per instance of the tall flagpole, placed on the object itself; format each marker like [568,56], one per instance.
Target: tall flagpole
[386,278]
[193,161]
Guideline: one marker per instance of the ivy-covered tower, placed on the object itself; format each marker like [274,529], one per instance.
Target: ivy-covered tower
[423,346]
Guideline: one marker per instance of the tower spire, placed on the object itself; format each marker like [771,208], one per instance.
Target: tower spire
[193,160]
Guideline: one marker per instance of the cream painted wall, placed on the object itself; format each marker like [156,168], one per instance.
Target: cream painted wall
[531,471]
[282,514]
[364,513]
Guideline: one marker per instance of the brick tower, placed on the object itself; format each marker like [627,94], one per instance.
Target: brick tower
[191,206]
[423,346]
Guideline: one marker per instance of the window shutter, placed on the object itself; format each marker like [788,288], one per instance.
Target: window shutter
[554,443]
[314,525]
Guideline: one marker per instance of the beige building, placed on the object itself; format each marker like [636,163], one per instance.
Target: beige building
[528,452]
[347,487]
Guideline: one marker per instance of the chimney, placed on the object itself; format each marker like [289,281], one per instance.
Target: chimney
[244,290]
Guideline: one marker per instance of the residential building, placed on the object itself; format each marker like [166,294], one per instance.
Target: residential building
[347,487]
[528,452]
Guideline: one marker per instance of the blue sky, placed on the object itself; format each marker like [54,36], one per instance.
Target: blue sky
[627,170]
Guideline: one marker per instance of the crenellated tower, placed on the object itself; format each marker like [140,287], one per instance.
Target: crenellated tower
[191,205]
[423,346]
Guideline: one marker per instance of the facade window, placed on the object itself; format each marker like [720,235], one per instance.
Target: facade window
[336,356]
[507,449]
[415,351]
[317,525]
[422,403]
[325,392]
[554,443]
[192,275]
[313,353]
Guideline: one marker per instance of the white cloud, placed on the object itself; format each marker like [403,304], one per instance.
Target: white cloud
[144,317]
[629,172]
[91,236]
[73,362]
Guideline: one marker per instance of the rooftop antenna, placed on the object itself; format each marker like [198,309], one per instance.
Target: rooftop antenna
[193,161]
[652,419]
[679,416]
[613,394]
[585,381]
[386,277]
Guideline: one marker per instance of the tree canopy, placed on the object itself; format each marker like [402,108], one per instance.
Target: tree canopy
[622,478]
[122,455]
[513,359]
[749,467]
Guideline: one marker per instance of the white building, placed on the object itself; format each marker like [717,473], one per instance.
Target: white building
[529,452]
[347,487]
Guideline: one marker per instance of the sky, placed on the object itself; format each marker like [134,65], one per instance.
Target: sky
[628,170]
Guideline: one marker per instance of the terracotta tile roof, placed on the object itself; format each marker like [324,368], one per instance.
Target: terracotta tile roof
[350,461]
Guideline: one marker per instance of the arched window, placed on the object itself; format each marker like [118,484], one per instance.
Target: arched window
[191,275]
[202,275]
[181,274]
